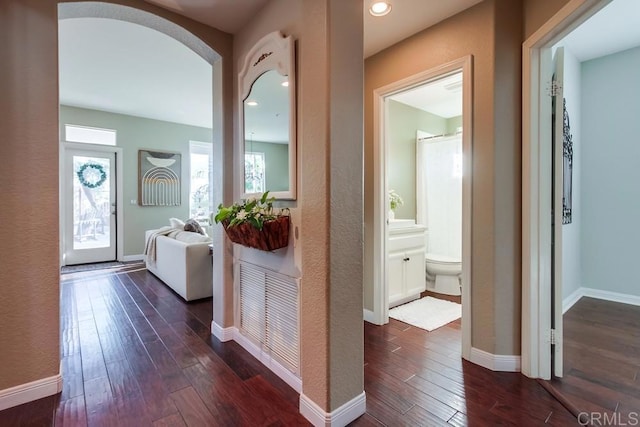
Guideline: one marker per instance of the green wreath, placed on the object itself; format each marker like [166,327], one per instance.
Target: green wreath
[91,175]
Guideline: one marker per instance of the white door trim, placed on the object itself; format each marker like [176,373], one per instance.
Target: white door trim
[536,183]
[119,192]
[380,203]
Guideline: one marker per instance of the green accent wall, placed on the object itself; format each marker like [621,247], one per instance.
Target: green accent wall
[276,159]
[133,134]
[453,124]
[403,123]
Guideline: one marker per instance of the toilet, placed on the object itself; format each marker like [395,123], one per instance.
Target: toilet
[443,274]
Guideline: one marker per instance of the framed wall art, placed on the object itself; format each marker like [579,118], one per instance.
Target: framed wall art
[159,180]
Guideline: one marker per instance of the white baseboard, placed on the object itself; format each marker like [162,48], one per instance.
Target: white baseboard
[29,392]
[129,258]
[223,334]
[369,316]
[569,301]
[340,417]
[495,362]
[611,296]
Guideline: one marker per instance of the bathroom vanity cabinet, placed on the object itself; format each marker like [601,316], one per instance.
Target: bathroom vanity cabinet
[406,262]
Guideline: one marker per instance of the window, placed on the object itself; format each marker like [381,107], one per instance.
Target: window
[200,161]
[87,135]
[254,172]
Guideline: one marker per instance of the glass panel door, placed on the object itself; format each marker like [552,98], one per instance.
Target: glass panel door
[90,207]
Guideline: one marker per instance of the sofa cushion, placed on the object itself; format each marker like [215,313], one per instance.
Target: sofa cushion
[191,237]
[192,225]
[174,233]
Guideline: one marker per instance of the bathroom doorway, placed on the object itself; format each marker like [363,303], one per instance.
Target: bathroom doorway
[405,128]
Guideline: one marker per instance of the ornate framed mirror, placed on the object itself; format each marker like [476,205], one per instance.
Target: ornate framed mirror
[268,118]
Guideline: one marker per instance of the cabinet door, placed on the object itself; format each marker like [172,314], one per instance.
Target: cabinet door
[396,276]
[415,271]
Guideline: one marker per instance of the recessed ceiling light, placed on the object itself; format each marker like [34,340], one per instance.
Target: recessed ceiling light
[380,8]
[285,83]
[252,103]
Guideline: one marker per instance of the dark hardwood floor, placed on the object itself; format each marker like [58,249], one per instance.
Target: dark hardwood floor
[602,361]
[135,354]
[418,378]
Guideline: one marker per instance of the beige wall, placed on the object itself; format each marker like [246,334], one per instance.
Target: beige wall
[493,33]
[490,33]
[507,207]
[327,213]
[29,209]
[537,12]
[29,121]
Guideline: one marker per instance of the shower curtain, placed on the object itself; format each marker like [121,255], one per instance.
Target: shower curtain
[439,193]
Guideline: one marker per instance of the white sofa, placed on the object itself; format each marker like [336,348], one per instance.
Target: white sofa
[182,262]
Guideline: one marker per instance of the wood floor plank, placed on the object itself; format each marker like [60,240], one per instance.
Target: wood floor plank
[174,420]
[374,379]
[166,366]
[366,420]
[192,409]
[286,412]
[93,365]
[134,353]
[71,412]
[99,403]
[122,381]
[601,356]
[73,384]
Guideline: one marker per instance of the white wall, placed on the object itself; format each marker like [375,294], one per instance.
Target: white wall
[611,172]
[571,242]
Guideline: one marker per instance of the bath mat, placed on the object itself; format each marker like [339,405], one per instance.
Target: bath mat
[427,313]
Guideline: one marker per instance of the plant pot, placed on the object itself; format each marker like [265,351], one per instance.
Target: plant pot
[274,234]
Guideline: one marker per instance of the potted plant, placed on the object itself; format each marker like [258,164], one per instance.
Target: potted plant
[255,223]
[394,201]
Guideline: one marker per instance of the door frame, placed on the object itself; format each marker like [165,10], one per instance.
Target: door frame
[64,197]
[380,313]
[536,183]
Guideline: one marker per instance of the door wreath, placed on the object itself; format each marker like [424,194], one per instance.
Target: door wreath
[91,175]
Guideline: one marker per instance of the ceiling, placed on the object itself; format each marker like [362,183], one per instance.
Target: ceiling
[406,18]
[122,67]
[613,29]
[226,15]
[442,97]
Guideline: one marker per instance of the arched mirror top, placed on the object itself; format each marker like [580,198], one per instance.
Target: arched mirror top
[267,111]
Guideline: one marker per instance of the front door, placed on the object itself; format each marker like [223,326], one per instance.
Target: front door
[90,206]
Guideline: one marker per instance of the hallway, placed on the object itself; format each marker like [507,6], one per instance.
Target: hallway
[135,354]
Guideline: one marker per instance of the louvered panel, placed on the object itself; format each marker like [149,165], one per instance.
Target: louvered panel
[281,299]
[269,313]
[252,316]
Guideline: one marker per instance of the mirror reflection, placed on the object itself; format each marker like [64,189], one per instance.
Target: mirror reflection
[266,134]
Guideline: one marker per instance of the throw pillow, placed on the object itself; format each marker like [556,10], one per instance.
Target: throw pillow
[192,225]
[176,223]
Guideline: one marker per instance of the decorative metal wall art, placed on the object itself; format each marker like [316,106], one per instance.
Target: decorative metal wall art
[159,178]
[567,166]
